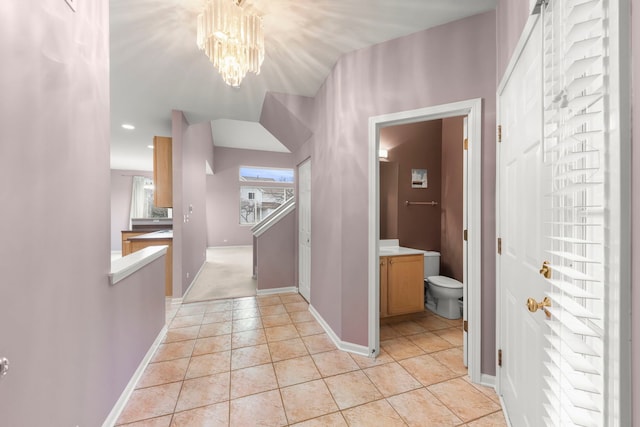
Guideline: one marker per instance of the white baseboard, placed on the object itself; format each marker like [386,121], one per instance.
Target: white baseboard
[504,411]
[488,380]
[192,282]
[361,350]
[285,290]
[126,393]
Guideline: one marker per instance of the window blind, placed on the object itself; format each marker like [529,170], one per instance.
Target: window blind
[575,142]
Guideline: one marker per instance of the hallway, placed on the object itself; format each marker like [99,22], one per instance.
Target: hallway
[265,361]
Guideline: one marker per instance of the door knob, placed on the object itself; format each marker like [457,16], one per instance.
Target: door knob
[546,270]
[534,305]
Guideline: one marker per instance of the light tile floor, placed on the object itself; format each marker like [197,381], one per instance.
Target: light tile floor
[265,361]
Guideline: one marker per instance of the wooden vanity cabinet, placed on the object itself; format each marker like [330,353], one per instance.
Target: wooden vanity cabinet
[402,287]
[162,172]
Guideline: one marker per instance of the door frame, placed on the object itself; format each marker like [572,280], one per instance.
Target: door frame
[471,108]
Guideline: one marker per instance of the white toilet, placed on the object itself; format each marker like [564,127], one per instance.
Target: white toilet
[442,292]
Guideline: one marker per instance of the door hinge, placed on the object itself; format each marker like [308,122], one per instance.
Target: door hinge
[499,246]
[499,133]
[465,235]
[465,326]
[499,357]
[466,143]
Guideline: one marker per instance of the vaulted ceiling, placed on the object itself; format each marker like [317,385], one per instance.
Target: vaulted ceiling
[156,66]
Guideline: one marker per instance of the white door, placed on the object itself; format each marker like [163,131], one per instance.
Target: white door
[519,228]
[304,229]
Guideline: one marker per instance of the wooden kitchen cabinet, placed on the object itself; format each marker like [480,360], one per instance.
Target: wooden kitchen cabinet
[138,243]
[162,172]
[402,288]
[133,241]
[126,244]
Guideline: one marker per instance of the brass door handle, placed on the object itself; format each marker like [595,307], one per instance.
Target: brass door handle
[534,305]
[546,270]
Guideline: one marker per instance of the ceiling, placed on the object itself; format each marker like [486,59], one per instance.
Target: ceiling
[156,66]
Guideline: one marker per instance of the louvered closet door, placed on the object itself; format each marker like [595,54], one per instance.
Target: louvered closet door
[571,224]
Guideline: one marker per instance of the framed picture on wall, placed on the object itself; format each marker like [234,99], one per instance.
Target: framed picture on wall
[419,178]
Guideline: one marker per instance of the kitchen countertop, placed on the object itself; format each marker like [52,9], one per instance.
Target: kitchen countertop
[161,234]
[127,265]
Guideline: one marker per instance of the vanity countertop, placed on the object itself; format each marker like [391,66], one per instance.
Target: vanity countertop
[391,247]
[399,250]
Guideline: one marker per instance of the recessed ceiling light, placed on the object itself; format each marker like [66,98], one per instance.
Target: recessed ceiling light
[128,126]
[150,146]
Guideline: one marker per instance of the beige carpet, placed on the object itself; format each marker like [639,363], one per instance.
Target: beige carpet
[226,274]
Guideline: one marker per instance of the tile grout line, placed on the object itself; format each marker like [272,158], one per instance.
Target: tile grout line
[271,362]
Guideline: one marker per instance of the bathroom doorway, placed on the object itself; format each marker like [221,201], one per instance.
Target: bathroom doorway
[472,111]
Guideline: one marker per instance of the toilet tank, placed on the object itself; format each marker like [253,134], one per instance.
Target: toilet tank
[431,264]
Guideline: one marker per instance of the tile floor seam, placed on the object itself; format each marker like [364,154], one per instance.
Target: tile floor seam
[452,410]
[248,304]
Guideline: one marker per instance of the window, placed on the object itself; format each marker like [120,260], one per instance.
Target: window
[248,173]
[258,201]
[142,200]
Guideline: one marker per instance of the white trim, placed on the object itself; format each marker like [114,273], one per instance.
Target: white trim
[342,345]
[127,265]
[517,51]
[618,410]
[471,108]
[488,380]
[504,412]
[126,393]
[284,290]
[283,210]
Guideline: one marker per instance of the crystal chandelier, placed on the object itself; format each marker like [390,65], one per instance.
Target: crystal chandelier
[232,39]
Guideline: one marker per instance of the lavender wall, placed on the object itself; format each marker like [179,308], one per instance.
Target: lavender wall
[197,150]
[416,146]
[192,148]
[276,254]
[223,193]
[436,146]
[73,340]
[179,127]
[451,210]
[511,16]
[449,63]
[388,200]
[121,184]
[291,136]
